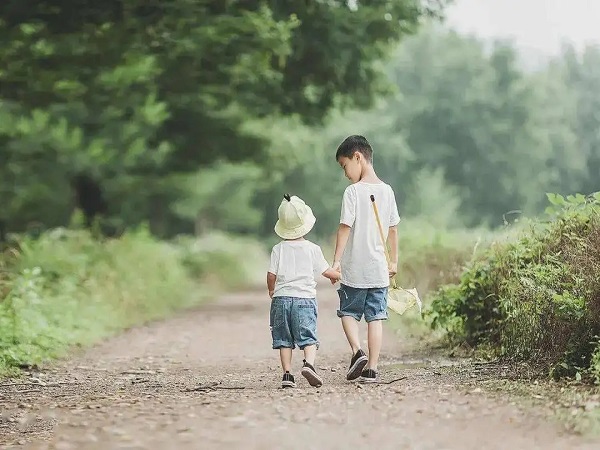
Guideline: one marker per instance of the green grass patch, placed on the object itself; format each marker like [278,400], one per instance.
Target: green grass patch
[537,299]
[430,257]
[67,289]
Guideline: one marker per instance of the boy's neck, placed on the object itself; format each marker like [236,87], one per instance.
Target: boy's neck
[297,239]
[368,174]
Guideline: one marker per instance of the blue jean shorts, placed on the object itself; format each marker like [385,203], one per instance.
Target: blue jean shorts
[356,302]
[293,322]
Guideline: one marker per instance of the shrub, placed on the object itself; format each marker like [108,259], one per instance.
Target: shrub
[65,288]
[536,299]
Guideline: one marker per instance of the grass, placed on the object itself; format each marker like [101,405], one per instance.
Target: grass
[430,257]
[535,299]
[67,289]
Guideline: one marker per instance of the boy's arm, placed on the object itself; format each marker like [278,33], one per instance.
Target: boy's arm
[393,246]
[271,278]
[273,269]
[341,240]
[347,217]
[320,265]
[332,275]
[392,239]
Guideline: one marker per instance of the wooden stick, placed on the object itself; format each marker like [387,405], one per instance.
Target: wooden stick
[385,247]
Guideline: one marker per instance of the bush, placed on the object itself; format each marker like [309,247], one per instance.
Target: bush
[66,288]
[430,257]
[230,260]
[536,299]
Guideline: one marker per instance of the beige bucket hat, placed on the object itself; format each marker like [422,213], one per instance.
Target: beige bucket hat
[296,218]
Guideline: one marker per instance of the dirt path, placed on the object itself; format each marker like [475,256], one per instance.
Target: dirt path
[130,392]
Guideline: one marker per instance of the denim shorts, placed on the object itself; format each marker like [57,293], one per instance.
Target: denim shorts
[354,302]
[293,322]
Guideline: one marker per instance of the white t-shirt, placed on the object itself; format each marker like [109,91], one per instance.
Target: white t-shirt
[296,263]
[363,263]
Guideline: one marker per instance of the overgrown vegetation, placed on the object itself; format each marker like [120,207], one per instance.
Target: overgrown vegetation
[140,96]
[65,288]
[537,299]
[188,130]
[431,256]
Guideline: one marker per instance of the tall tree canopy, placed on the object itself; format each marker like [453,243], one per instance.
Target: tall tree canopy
[133,91]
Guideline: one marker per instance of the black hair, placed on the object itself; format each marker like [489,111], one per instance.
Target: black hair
[353,144]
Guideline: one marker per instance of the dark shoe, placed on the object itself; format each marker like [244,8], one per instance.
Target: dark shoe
[310,374]
[288,381]
[357,364]
[368,376]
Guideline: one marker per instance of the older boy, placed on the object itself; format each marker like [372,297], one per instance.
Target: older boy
[359,253]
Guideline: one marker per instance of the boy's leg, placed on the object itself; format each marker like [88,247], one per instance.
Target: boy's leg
[282,336]
[310,353]
[285,354]
[375,340]
[304,324]
[352,307]
[350,326]
[375,314]
[308,369]
[304,329]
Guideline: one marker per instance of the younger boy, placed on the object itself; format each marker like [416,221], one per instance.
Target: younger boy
[292,288]
[359,253]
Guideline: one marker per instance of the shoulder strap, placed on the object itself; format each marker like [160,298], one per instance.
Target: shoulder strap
[385,247]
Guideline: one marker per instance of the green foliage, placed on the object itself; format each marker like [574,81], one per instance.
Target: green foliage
[228,260]
[535,299]
[173,95]
[66,289]
[137,94]
[430,257]
[480,120]
[220,198]
[580,69]
[469,138]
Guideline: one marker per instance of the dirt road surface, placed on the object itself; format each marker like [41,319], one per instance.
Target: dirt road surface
[208,379]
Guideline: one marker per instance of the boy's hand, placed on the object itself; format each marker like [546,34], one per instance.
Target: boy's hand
[393,269]
[332,275]
[337,266]
[271,294]
[337,270]
[336,277]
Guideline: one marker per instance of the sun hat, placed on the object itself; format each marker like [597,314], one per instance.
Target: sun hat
[295,218]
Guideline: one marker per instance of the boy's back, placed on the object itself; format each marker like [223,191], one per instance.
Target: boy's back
[296,263]
[360,254]
[363,261]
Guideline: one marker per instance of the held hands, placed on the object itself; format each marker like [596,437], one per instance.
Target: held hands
[337,268]
[335,277]
[393,269]
[333,274]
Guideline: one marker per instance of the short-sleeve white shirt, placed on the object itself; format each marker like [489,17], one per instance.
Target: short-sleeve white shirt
[296,265]
[363,262]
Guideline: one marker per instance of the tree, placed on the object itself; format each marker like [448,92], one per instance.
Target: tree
[474,114]
[130,90]
[583,78]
